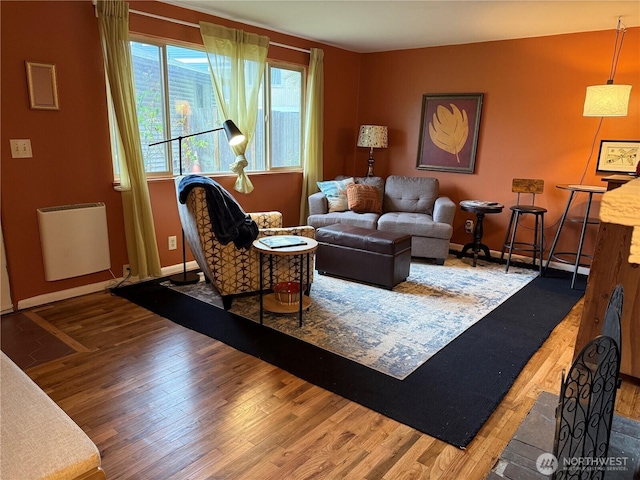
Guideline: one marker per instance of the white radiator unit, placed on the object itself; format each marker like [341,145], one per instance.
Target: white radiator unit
[74,240]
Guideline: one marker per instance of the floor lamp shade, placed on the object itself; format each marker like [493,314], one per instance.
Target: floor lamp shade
[607,100]
[372,136]
[234,135]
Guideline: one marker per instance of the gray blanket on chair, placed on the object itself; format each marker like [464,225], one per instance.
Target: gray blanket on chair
[229,221]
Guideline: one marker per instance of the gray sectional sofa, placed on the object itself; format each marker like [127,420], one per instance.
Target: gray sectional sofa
[410,205]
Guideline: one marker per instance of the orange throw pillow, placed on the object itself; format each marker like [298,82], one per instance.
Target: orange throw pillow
[363,198]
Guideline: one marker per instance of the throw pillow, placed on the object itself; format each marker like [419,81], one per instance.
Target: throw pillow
[363,199]
[336,193]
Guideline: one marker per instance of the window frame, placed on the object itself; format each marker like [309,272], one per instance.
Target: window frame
[162,44]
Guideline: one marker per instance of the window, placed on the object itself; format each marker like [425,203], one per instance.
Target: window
[174,97]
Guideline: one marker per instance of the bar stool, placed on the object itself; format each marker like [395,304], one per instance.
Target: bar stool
[590,190]
[533,187]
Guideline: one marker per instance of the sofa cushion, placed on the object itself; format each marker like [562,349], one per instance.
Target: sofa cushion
[39,440]
[363,198]
[364,220]
[377,182]
[336,193]
[415,224]
[410,194]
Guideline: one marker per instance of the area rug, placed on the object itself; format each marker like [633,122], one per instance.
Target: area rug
[448,397]
[392,331]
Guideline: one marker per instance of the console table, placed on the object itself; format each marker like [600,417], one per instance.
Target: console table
[610,267]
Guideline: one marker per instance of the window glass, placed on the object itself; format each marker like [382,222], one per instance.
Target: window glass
[174,98]
[148,81]
[286,117]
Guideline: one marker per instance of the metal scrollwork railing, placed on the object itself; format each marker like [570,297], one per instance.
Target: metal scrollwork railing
[585,411]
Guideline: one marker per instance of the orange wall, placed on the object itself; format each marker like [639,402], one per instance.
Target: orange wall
[531,126]
[71,151]
[531,122]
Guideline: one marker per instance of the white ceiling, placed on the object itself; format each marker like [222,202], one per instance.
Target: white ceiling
[381,25]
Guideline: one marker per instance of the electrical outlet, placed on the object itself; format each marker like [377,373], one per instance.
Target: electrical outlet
[468,226]
[126,270]
[173,243]
[21,148]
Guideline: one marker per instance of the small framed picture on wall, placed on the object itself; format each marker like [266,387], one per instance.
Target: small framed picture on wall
[42,85]
[449,129]
[618,156]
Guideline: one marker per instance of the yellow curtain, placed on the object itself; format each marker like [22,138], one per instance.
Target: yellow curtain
[313,131]
[142,248]
[237,60]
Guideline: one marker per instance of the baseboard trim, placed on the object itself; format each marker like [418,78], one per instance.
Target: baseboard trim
[94,287]
[457,248]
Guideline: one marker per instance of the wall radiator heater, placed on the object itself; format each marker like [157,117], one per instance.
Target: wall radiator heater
[74,240]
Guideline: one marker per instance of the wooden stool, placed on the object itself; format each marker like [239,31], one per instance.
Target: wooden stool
[533,187]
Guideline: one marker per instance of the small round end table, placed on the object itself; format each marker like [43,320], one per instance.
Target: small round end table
[305,248]
[480,208]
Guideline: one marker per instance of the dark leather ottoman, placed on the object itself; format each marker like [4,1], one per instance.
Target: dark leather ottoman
[371,256]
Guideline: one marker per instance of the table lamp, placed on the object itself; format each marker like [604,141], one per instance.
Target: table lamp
[372,136]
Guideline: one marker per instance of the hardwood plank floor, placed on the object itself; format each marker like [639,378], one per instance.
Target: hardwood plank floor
[164,402]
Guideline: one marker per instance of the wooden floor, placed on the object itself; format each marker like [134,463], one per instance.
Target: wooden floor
[163,402]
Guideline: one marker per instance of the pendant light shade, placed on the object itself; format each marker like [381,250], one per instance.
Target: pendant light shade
[607,100]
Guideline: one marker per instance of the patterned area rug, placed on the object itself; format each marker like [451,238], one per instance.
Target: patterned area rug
[393,332]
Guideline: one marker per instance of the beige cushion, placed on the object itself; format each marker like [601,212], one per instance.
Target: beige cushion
[39,440]
[336,193]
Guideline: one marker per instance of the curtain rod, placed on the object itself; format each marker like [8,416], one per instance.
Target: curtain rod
[195,25]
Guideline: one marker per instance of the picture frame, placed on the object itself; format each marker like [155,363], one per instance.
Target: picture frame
[618,156]
[42,85]
[449,127]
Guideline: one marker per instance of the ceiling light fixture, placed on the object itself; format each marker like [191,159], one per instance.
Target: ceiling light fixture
[609,100]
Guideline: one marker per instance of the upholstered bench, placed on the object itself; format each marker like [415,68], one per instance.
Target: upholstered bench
[372,256]
[39,440]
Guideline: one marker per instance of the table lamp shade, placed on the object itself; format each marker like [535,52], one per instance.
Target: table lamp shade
[607,100]
[373,136]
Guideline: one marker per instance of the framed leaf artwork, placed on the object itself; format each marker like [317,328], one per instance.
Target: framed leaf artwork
[449,129]
[620,156]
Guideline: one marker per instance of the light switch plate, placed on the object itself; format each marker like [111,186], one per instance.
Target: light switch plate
[21,148]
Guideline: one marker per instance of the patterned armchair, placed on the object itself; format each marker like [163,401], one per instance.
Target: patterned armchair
[232,270]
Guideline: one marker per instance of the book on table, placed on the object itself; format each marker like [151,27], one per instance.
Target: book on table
[480,203]
[282,241]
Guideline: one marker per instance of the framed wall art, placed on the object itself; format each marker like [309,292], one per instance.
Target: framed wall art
[43,87]
[618,156]
[449,129]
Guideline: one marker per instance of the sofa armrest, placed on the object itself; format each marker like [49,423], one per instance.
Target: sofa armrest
[267,219]
[318,204]
[444,210]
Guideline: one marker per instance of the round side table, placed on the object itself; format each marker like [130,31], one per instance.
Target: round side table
[268,302]
[480,208]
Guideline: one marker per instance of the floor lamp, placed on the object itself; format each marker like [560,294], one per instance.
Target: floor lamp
[234,137]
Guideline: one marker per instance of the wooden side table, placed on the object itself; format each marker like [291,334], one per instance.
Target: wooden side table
[269,302]
[480,208]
